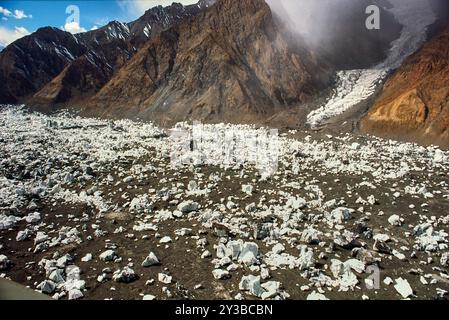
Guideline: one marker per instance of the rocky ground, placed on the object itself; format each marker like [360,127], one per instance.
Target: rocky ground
[95,209]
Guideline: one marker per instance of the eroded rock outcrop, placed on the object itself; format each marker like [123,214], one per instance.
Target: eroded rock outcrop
[414,103]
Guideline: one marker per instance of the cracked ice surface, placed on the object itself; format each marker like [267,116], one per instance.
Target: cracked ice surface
[355,86]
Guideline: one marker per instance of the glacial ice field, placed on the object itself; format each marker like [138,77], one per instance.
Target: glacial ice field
[356,86]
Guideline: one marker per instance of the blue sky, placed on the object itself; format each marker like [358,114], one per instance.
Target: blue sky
[19,18]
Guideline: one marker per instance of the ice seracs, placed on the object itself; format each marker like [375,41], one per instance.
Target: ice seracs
[355,86]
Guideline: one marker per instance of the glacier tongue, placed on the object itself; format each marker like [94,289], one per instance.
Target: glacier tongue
[355,86]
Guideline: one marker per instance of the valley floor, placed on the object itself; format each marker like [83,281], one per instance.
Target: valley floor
[94,209]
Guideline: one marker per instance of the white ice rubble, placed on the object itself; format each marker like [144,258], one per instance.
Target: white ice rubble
[301,223]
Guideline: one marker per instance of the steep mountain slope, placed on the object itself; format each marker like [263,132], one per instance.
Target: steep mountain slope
[110,47]
[414,104]
[161,18]
[30,62]
[229,63]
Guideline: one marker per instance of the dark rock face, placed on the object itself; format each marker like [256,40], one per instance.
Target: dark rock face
[336,30]
[31,62]
[52,66]
[161,18]
[109,48]
[352,45]
[414,104]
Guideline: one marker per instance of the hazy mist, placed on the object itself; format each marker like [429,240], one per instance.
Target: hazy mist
[315,19]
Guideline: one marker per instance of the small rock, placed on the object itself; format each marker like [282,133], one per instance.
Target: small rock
[108,255]
[248,189]
[164,278]
[206,254]
[87,257]
[220,274]
[47,286]
[188,206]
[150,261]
[40,237]
[398,255]
[395,220]
[444,260]
[316,296]
[381,247]
[34,217]
[252,284]
[272,289]
[165,239]
[56,276]
[339,215]
[403,288]
[4,262]
[306,259]
[125,275]
[75,294]
[23,235]
[128,179]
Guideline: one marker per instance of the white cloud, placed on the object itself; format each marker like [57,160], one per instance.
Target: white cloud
[20,14]
[17,14]
[136,8]
[73,27]
[8,35]
[5,12]
[94,28]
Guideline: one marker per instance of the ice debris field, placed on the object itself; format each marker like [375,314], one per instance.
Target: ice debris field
[94,209]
